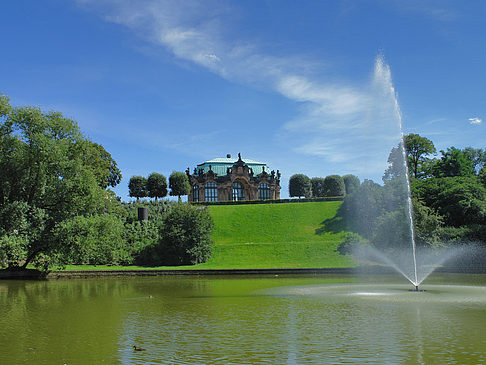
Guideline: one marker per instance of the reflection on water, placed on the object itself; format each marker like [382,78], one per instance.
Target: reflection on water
[244,320]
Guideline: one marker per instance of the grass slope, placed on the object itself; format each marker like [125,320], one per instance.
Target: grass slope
[275,236]
[268,236]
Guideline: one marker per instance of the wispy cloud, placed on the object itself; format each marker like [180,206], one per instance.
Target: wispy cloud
[342,123]
[475,121]
[436,120]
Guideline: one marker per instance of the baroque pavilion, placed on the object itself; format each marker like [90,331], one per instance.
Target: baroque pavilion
[226,179]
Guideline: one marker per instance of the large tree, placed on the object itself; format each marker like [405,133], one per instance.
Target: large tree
[156,185]
[45,180]
[106,170]
[179,184]
[300,185]
[418,148]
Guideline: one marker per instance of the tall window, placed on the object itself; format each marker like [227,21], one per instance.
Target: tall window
[238,192]
[211,192]
[263,191]
[195,194]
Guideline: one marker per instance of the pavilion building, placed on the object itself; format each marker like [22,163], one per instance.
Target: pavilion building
[231,179]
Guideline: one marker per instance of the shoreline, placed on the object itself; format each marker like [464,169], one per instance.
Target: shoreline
[29,274]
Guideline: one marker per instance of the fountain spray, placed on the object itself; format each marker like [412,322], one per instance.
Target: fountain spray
[415,281]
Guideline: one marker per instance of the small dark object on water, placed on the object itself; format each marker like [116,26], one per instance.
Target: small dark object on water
[136,348]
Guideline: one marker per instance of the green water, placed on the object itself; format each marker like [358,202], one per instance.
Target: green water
[244,320]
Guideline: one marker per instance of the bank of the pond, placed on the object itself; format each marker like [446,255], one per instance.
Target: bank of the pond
[224,272]
[35,274]
[128,272]
[358,270]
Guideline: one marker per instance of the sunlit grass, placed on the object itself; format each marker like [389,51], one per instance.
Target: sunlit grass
[267,236]
[276,236]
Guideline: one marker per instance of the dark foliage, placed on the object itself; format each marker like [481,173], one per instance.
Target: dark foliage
[179,184]
[137,187]
[300,185]
[318,189]
[418,148]
[156,185]
[50,173]
[351,183]
[459,200]
[334,186]
[453,163]
[184,237]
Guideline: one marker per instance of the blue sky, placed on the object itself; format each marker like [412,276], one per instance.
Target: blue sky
[306,86]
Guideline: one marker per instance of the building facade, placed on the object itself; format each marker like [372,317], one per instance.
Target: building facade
[230,179]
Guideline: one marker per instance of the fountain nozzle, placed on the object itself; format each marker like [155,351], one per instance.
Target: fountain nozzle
[416,289]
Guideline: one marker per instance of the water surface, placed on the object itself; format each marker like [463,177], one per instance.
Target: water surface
[244,320]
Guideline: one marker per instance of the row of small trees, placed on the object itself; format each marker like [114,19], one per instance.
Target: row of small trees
[301,185]
[155,186]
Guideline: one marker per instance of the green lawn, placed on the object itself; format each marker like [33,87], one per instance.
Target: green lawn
[276,236]
[286,235]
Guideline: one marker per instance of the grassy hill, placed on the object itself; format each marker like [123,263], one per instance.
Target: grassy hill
[268,236]
[275,236]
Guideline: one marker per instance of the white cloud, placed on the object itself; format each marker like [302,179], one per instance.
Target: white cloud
[475,121]
[342,123]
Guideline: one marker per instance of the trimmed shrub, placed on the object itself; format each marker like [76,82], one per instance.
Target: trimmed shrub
[300,185]
[334,186]
[351,183]
[317,187]
[156,185]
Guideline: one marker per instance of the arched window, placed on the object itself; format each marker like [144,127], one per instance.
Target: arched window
[211,192]
[263,191]
[195,194]
[238,192]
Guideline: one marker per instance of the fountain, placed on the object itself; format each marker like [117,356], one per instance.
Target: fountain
[396,245]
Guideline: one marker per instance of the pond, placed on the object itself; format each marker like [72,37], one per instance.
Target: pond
[323,319]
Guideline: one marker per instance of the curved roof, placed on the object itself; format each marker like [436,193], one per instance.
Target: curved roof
[220,165]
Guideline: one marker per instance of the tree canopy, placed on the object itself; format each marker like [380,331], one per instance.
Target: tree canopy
[185,236]
[460,200]
[106,170]
[300,185]
[351,183]
[50,173]
[453,163]
[156,185]
[318,188]
[477,156]
[179,184]
[137,187]
[334,186]
[449,197]
[418,148]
